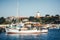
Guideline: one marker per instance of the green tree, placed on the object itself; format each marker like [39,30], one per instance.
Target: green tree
[2,20]
[31,18]
[47,15]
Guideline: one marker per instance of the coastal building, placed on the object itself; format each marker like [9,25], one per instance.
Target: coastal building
[37,14]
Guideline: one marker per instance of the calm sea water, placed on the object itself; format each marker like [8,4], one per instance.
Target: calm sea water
[53,35]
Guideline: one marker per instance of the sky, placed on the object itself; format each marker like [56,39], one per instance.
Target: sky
[29,7]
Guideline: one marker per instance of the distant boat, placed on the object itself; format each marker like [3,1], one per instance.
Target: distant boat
[55,27]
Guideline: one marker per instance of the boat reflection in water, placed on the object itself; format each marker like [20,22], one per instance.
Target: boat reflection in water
[42,36]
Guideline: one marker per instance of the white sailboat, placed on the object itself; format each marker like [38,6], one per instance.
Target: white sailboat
[13,29]
[19,28]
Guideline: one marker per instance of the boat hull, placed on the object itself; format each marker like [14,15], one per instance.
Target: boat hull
[44,31]
[14,31]
[22,32]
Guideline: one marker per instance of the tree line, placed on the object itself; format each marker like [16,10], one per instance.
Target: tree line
[43,20]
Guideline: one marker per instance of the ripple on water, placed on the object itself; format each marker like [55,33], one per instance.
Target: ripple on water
[54,34]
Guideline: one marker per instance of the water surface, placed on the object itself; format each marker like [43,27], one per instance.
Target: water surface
[53,35]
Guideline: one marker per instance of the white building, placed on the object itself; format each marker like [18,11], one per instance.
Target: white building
[37,14]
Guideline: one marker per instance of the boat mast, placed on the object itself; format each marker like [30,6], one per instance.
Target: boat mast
[17,9]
